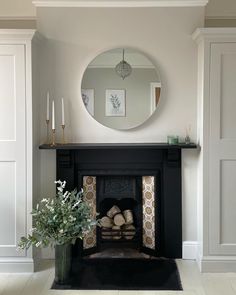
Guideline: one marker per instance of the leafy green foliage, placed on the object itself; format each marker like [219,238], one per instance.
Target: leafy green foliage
[59,220]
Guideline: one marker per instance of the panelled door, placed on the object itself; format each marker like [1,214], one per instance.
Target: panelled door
[222,153]
[12,149]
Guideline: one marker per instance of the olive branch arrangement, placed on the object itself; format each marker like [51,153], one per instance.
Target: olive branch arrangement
[59,220]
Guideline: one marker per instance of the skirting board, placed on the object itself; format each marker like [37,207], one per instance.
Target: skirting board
[16,265]
[190,250]
[222,264]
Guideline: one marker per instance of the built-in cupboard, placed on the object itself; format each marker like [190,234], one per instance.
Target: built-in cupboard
[217,137]
[15,148]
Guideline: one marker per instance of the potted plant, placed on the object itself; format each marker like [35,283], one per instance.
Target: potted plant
[59,222]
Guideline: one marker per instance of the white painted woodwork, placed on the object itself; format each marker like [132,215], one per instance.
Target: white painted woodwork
[119,3]
[8,205]
[7,93]
[217,137]
[189,251]
[15,147]
[222,147]
[228,203]
[12,148]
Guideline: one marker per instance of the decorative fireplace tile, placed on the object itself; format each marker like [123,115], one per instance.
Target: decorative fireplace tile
[89,186]
[148,195]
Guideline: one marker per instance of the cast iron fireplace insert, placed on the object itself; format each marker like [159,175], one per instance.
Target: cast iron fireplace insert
[130,196]
[123,193]
[75,162]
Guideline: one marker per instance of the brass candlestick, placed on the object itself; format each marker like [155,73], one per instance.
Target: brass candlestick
[53,137]
[47,122]
[63,133]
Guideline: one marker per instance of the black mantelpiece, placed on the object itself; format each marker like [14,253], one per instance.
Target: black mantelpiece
[77,160]
[82,146]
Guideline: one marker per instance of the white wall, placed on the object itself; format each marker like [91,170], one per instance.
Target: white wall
[165,38]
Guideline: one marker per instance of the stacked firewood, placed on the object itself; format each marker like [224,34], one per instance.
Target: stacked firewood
[116,224]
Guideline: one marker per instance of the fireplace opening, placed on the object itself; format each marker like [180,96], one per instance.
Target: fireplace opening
[119,205]
[127,211]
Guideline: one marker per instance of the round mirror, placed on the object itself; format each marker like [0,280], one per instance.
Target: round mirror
[121,88]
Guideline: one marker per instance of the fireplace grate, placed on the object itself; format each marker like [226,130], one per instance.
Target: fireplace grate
[119,236]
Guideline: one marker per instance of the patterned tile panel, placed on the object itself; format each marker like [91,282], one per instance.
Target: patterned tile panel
[148,196]
[89,186]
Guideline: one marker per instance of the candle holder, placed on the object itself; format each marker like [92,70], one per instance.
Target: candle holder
[53,137]
[63,133]
[48,141]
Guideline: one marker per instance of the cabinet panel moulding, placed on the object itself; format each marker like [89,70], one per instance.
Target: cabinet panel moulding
[17,35]
[214,34]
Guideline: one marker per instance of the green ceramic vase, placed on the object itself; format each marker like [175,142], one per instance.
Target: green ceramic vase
[62,263]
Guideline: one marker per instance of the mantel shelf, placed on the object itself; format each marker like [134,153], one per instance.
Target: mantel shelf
[95,146]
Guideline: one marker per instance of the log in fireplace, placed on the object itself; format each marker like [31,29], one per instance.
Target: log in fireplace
[144,179]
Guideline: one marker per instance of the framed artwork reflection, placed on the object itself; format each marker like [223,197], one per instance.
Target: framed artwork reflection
[115,103]
[88,99]
[155,90]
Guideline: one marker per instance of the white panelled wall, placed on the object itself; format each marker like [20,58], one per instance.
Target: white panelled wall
[217,137]
[15,148]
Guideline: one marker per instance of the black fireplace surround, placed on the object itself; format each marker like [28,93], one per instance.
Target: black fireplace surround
[74,161]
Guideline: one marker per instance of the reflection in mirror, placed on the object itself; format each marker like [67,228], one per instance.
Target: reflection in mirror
[121,88]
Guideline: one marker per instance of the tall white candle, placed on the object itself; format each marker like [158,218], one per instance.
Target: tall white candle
[47,106]
[62,112]
[53,115]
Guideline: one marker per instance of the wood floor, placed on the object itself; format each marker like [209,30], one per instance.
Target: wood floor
[194,283]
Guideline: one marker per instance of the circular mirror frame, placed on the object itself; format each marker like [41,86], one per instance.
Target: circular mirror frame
[126,48]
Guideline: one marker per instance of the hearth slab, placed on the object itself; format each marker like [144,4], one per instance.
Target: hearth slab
[123,274]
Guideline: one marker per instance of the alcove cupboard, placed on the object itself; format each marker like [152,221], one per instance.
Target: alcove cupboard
[217,137]
[16,141]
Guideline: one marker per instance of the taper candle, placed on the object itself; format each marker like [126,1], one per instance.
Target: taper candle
[62,112]
[47,106]
[53,115]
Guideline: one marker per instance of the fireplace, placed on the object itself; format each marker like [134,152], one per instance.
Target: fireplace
[131,177]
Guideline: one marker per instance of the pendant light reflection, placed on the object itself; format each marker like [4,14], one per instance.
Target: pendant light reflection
[123,69]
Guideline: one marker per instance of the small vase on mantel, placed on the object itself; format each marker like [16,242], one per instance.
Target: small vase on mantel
[63,263]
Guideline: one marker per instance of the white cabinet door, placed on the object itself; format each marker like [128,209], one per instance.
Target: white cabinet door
[222,150]
[12,149]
